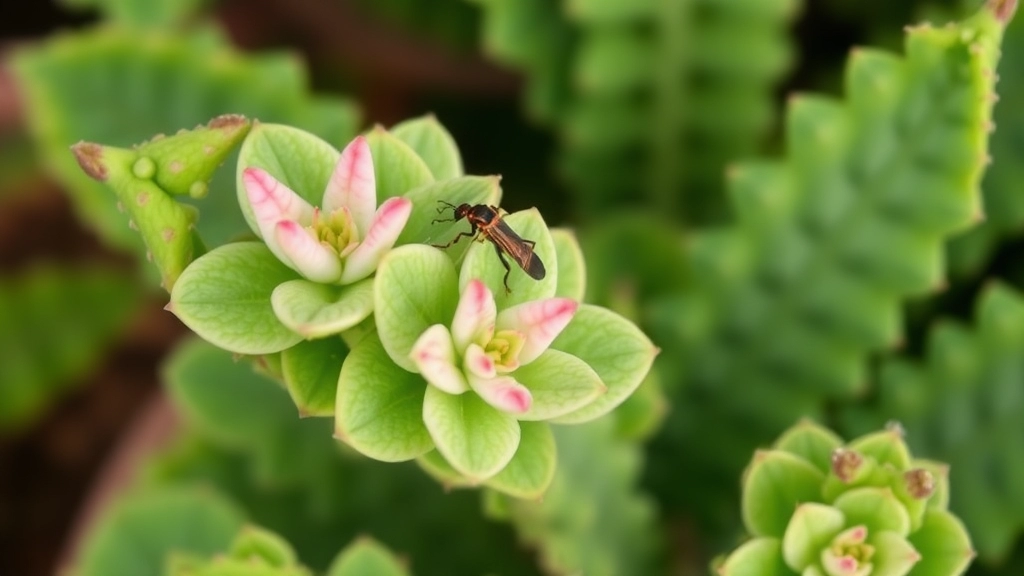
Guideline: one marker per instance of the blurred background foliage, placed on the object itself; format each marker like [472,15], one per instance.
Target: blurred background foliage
[620,118]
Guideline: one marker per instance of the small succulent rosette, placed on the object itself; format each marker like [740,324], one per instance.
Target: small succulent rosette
[467,378]
[323,219]
[817,507]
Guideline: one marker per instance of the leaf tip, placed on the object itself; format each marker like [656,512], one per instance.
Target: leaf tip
[1003,9]
[90,158]
[228,122]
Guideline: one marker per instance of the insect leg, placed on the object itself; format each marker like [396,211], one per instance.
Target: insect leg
[472,232]
[508,269]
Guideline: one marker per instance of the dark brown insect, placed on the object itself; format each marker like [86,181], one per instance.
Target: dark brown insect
[485,222]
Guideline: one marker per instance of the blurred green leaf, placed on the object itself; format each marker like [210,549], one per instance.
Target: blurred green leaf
[55,326]
[592,520]
[141,13]
[134,537]
[962,405]
[787,305]
[121,86]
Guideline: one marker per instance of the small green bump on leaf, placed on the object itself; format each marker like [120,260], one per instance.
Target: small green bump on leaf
[432,143]
[310,372]
[415,288]
[475,438]
[532,469]
[615,348]
[379,406]
[572,271]
[773,486]
[397,167]
[198,190]
[225,297]
[317,310]
[144,168]
[366,557]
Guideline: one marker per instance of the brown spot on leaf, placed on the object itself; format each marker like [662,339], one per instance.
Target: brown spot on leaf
[90,158]
[227,121]
[167,234]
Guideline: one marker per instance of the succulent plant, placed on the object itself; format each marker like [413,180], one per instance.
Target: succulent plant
[815,506]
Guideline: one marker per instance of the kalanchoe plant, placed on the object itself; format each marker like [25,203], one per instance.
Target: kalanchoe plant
[817,507]
[425,352]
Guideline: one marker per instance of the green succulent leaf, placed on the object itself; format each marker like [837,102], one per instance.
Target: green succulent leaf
[433,463]
[572,272]
[943,543]
[593,519]
[122,85]
[380,407]
[310,371]
[428,208]
[811,442]
[206,384]
[256,544]
[876,508]
[559,383]
[225,297]
[758,557]
[433,144]
[810,530]
[476,439]
[532,468]
[364,557]
[894,556]
[397,167]
[55,326]
[294,157]
[415,288]
[482,263]
[614,348]
[133,537]
[886,447]
[317,310]
[772,487]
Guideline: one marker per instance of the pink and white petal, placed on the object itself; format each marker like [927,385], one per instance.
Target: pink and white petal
[503,392]
[272,202]
[474,315]
[305,254]
[387,225]
[477,362]
[353,184]
[434,357]
[541,321]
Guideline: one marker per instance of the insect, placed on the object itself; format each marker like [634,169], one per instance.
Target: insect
[485,222]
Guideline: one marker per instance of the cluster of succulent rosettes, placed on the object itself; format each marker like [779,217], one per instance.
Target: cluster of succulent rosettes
[817,507]
[417,352]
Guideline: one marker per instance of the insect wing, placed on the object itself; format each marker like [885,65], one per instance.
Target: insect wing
[521,251]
